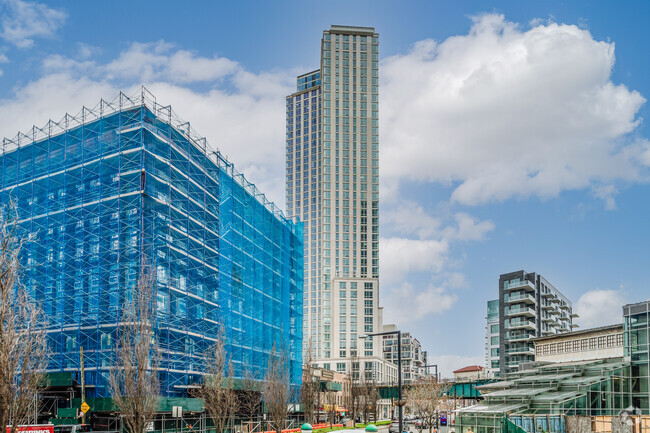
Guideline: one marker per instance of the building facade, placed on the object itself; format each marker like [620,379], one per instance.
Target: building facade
[584,345]
[636,323]
[332,186]
[492,336]
[469,373]
[529,307]
[414,359]
[127,185]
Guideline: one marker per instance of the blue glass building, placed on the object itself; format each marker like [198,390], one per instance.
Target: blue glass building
[127,181]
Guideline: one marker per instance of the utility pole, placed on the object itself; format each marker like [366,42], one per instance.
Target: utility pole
[83,382]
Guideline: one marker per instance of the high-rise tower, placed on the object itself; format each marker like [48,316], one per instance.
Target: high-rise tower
[332,176]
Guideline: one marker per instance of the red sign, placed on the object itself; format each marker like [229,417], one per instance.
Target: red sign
[43,428]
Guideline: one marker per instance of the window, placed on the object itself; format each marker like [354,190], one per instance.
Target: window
[494,341]
[340,366]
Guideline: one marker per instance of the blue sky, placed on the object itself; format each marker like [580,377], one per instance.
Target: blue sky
[512,133]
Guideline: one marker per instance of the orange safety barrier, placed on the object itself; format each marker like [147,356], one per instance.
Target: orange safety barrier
[315,427]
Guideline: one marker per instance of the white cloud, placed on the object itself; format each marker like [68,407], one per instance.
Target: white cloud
[416,273]
[160,61]
[606,193]
[600,307]
[410,218]
[468,228]
[23,21]
[400,256]
[407,304]
[239,112]
[502,112]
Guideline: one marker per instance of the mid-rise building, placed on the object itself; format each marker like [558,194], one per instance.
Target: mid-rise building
[636,324]
[332,186]
[492,337]
[414,359]
[529,307]
[126,185]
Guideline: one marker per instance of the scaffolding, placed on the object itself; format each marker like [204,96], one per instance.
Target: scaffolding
[100,193]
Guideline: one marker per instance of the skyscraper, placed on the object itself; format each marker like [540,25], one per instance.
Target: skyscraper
[332,180]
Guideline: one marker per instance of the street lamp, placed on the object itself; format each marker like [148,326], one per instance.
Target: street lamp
[400,402]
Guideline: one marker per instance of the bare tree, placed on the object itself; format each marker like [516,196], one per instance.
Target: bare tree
[23,345]
[354,393]
[250,396]
[330,406]
[133,382]
[310,388]
[218,392]
[371,398]
[425,399]
[276,388]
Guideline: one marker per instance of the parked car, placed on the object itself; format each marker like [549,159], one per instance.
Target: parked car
[419,424]
[393,427]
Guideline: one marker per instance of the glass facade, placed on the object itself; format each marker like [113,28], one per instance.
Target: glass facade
[636,329]
[548,392]
[492,334]
[127,182]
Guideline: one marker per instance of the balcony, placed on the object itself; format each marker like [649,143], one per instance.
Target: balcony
[521,351]
[520,311]
[521,324]
[524,285]
[512,337]
[519,297]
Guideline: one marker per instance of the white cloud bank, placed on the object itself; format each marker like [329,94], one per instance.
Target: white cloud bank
[599,308]
[416,263]
[24,21]
[502,112]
